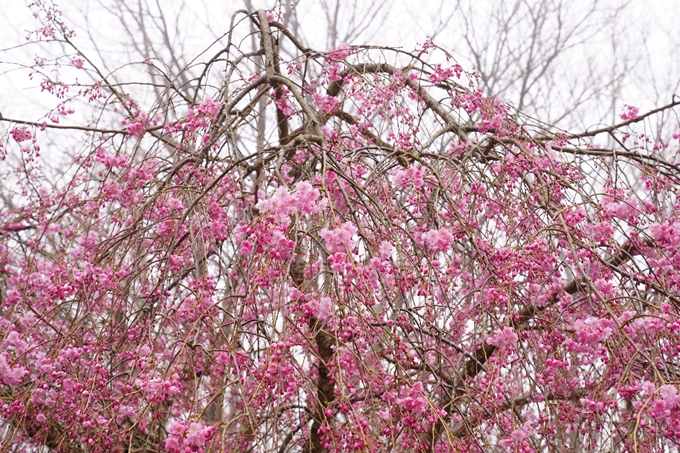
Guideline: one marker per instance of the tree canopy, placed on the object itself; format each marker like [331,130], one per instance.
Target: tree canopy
[348,250]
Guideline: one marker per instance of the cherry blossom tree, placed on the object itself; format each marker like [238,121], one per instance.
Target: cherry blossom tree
[399,264]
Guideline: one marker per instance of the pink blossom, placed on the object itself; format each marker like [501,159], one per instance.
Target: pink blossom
[669,393]
[593,330]
[630,112]
[340,53]
[325,307]
[198,434]
[628,209]
[12,375]
[21,134]
[172,445]
[246,247]
[506,338]
[440,74]
[152,273]
[333,72]
[320,308]
[306,198]
[415,402]
[341,238]
[666,233]
[412,175]
[519,435]
[439,240]
[386,250]
[281,204]
[601,232]
[604,287]
[178,428]
[137,125]
[325,103]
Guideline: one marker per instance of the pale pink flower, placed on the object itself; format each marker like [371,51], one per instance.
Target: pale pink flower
[439,240]
[339,239]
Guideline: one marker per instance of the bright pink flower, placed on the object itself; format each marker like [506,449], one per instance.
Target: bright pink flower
[21,134]
[593,330]
[630,112]
[506,338]
[340,53]
[281,204]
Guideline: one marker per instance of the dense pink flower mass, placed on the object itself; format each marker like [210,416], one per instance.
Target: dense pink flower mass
[349,251]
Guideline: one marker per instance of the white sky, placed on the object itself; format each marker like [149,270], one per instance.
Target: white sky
[408,22]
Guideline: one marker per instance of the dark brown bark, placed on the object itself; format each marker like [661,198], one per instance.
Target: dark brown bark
[325,384]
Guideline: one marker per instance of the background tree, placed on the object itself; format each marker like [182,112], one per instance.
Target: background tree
[352,250]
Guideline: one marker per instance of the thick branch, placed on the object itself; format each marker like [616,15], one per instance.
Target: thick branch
[325,385]
[376,68]
[271,64]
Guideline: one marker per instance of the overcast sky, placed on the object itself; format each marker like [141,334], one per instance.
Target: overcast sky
[645,32]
